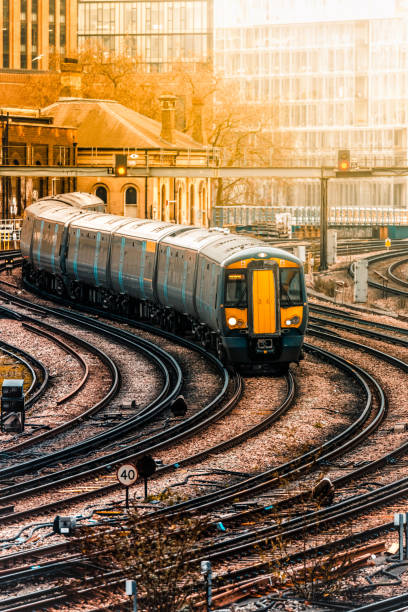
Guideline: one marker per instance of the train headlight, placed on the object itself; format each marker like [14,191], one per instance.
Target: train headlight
[293,321]
[232,321]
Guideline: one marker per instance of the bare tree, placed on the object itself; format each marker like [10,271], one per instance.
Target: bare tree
[154,553]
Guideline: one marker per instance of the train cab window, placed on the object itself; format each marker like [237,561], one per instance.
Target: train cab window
[290,287]
[236,293]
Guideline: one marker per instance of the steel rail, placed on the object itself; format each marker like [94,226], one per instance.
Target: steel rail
[111,393]
[383,257]
[25,360]
[357,330]
[71,352]
[300,465]
[207,556]
[167,394]
[392,276]
[371,466]
[342,314]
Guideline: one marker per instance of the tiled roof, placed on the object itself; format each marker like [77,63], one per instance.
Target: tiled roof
[106,123]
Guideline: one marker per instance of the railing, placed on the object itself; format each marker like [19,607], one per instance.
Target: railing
[308,215]
[10,233]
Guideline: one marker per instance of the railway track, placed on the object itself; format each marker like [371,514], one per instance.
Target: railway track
[314,521]
[214,554]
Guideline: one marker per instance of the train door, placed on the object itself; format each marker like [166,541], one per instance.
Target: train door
[264,317]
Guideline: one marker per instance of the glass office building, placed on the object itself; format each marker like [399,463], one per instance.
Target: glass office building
[157,32]
[330,85]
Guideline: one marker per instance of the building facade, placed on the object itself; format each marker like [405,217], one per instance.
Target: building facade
[335,85]
[107,128]
[156,32]
[30,139]
[33,31]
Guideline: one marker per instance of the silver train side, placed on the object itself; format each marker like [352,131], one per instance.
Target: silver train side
[237,295]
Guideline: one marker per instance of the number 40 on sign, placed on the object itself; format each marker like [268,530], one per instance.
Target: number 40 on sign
[127,475]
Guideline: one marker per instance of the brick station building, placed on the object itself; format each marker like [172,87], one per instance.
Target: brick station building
[30,139]
[106,128]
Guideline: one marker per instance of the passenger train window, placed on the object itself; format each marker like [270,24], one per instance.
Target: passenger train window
[236,293]
[290,287]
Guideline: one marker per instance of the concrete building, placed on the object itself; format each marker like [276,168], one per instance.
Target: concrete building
[106,128]
[156,32]
[34,30]
[337,84]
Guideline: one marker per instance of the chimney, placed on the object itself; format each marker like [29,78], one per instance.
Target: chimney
[71,77]
[168,112]
[197,111]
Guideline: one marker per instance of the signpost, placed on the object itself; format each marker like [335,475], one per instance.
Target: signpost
[127,475]
[146,466]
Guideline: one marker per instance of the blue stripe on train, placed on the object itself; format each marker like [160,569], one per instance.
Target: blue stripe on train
[142,267]
[75,262]
[183,287]
[96,258]
[121,261]
[166,276]
[54,244]
[39,243]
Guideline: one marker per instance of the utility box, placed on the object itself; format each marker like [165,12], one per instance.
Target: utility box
[360,280]
[331,247]
[12,405]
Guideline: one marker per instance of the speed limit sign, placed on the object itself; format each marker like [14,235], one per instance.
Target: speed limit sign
[127,474]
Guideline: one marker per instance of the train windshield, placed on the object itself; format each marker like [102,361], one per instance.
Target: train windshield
[290,287]
[236,293]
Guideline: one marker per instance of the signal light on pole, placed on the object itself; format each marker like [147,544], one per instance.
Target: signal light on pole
[120,165]
[343,160]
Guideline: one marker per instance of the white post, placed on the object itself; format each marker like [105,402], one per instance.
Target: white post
[300,252]
[331,247]
[360,280]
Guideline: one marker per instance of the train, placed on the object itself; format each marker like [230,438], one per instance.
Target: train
[234,294]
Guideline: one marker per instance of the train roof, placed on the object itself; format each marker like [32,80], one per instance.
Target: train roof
[149,229]
[99,222]
[77,199]
[54,211]
[194,238]
[232,248]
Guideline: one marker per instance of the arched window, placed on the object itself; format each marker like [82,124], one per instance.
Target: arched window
[192,219]
[131,196]
[102,193]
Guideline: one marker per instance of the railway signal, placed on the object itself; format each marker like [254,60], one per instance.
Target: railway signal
[146,466]
[120,165]
[343,160]
[12,405]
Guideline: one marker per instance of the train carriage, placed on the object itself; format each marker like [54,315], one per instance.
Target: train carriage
[43,240]
[260,301]
[236,294]
[134,256]
[177,269]
[88,254]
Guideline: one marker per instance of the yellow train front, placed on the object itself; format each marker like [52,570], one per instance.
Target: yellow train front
[262,306]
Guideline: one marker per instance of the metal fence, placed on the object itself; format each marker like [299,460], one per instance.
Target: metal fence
[10,232]
[308,215]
